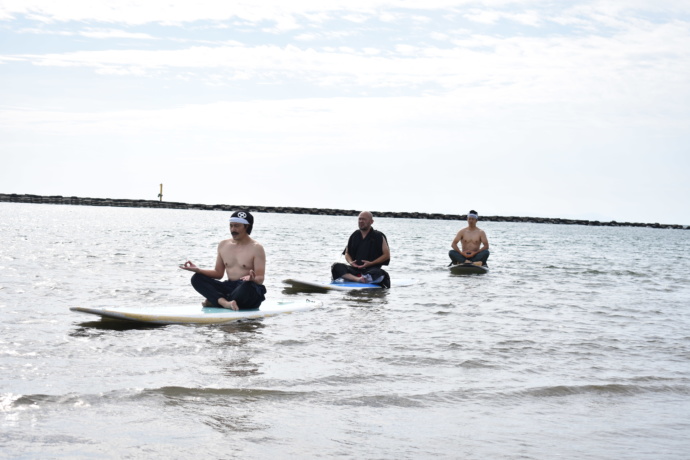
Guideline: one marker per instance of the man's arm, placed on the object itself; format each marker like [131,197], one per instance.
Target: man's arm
[259,265]
[485,242]
[455,242]
[352,261]
[348,259]
[257,273]
[217,272]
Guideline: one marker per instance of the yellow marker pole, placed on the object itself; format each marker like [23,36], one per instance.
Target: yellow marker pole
[160,195]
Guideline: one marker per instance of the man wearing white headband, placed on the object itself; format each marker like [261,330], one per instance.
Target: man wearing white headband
[475,245]
[243,260]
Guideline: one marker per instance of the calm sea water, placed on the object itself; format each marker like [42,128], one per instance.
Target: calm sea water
[575,346]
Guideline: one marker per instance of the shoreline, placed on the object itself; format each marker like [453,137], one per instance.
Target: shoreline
[129,203]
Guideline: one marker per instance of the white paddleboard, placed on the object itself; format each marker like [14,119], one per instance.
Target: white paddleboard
[340,285]
[179,314]
[468,269]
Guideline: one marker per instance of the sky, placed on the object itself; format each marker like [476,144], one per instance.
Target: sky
[577,110]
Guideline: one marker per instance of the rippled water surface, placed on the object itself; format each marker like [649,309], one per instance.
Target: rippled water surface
[576,345]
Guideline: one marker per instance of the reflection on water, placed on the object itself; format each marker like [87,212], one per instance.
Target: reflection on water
[108,324]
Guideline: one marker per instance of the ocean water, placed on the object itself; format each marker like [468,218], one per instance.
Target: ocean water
[576,345]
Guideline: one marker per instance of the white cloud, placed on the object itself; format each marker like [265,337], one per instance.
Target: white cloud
[134,12]
[88,32]
[439,36]
[530,18]
[644,62]
[483,16]
[114,33]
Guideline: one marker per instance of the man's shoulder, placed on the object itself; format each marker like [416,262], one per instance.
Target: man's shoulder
[251,242]
[377,234]
[225,243]
[479,231]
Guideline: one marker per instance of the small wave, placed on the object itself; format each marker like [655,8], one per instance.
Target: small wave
[594,271]
[476,364]
[428,305]
[558,391]
[344,380]
[9,402]
[517,343]
[290,342]
[184,392]
[415,361]
[607,389]
[380,401]
[630,273]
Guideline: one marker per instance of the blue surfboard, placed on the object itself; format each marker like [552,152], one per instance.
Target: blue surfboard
[339,285]
[332,286]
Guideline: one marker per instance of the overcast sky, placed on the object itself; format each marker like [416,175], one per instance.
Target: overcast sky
[513,108]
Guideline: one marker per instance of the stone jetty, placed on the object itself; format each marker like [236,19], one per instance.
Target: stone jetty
[126,203]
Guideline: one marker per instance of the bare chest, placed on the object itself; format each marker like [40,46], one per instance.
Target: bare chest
[237,256]
[472,237]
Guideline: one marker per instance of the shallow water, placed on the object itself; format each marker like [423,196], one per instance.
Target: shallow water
[575,345]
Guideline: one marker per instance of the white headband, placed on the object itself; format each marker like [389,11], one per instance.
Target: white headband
[238,220]
[472,215]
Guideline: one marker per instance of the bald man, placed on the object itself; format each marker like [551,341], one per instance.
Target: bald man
[366,251]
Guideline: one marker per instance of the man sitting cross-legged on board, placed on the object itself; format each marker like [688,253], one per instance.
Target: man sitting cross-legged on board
[475,245]
[243,260]
[366,251]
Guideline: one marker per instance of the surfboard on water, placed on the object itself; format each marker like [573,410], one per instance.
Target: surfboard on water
[332,286]
[340,285]
[189,314]
[468,269]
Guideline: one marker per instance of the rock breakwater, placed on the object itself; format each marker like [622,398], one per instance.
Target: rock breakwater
[127,203]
